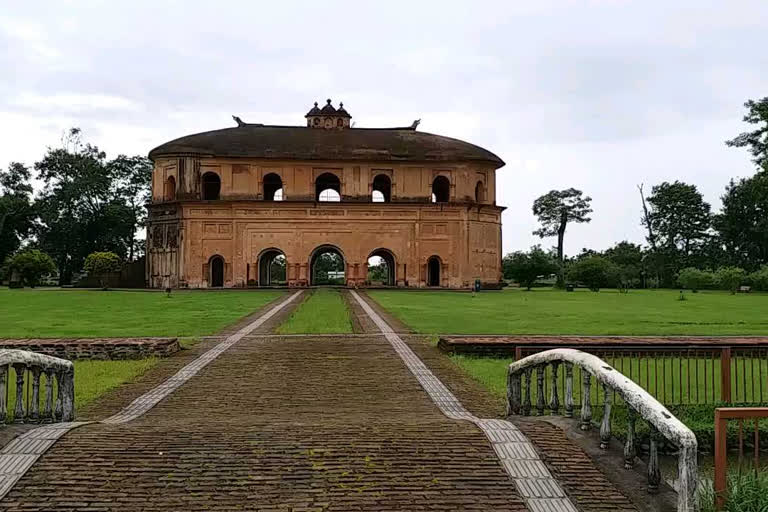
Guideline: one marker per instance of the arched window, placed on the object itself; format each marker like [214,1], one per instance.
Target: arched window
[211,186]
[170,189]
[382,189]
[327,187]
[272,268]
[441,190]
[479,192]
[273,187]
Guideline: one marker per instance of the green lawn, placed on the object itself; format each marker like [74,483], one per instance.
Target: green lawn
[92,379]
[546,311]
[323,312]
[85,313]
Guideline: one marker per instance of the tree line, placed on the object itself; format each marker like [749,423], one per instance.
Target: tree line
[88,203]
[687,244]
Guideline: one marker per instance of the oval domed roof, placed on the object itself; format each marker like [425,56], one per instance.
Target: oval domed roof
[303,143]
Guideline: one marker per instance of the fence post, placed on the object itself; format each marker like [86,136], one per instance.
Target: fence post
[720,459]
[725,374]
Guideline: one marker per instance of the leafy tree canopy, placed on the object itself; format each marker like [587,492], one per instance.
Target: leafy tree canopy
[743,221]
[526,267]
[30,266]
[756,140]
[17,210]
[555,210]
[595,272]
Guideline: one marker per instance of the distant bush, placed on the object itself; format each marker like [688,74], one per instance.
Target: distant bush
[526,267]
[595,272]
[759,279]
[730,278]
[30,266]
[101,264]
[695,279]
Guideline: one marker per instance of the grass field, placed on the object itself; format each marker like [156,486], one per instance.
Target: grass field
[85,313]
[323,312]
[92,379]
[546,311]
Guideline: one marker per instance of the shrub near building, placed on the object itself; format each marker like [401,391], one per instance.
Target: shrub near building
[102,264]
[27,268]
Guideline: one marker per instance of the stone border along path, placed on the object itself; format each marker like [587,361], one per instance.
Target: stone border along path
[516,453]
[18,456]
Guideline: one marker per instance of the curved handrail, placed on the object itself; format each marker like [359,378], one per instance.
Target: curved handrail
[639,402]
[61,370]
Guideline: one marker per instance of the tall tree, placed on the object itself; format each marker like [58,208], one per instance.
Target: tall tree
[88,204]
[743,221]
[555,210]
[756,140]
[132,178]
[17,213]
[681,221]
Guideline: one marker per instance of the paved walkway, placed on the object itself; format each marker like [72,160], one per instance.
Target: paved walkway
[295,423]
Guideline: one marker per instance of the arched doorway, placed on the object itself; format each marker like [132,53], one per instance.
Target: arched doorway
[441,190]
[211,186]
[216,264]
[328,188]
[327,266]
[382,189]
[381,268]
[273,187]
[272,268]
[433,271]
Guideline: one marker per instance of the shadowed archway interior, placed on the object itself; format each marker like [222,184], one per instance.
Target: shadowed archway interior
[433,271]
[216,265]
[327,266]
[381,268]
[272,268]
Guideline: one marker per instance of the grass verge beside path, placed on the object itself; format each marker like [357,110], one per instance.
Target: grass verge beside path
[86,313]
[324,312]
[546,311]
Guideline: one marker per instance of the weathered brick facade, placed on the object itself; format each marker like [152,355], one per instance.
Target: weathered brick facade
[438,224]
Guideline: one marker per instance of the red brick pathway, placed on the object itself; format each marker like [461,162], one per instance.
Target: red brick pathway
[278,424]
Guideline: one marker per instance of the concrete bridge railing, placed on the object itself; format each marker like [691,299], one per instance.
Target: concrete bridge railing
[638,402]
[32,365]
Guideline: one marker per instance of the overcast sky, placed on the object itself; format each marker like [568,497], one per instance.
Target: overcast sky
[598,95]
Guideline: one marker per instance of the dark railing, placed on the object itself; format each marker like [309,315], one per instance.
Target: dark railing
[675,371]
[30,370]
[722,416]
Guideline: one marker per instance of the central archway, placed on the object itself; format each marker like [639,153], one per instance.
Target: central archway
[381,268]
[272,268]
[216,264]
[327,266]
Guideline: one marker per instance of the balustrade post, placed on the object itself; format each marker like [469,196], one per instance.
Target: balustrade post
[586,401]
[34,407]
[48,406]
[513,393]
[629,446]
[554,399]
[527,398]
[4,373]
[605,426]
[540,404]
[654,472]
[68,394]
[19,414]
[57,408]
[568,390]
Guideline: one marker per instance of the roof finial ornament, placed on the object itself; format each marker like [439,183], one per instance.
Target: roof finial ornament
[239,121]
[415,124]
[328,100]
